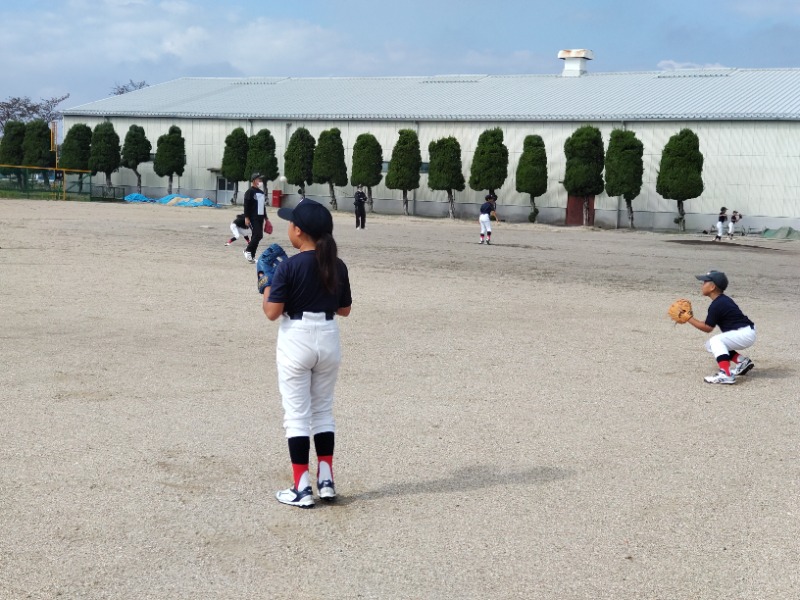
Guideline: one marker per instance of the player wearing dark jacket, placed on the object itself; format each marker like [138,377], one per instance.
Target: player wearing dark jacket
[255,213]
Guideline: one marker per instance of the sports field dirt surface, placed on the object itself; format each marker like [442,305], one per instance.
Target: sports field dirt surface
[514,421]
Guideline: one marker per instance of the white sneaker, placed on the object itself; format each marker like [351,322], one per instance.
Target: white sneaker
[742,367]
[227,243]
[721,377]
[327,491]
[248,256]
[303,498]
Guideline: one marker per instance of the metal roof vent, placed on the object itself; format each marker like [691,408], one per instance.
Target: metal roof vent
[575,62]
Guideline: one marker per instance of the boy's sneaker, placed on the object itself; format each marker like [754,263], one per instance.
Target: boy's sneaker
[721,377]
[480,242]
[248,256]
[303,499]
[488,242]
[327,491]
[742,367]
[227,243]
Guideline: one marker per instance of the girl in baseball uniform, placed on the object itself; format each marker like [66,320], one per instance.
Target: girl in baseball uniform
[307,292]
[723,216]
[485,220]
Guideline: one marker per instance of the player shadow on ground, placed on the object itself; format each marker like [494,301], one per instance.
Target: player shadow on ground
[771,373]
[464,479]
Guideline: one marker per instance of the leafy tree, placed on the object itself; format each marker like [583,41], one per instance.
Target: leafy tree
[104,156]
[261,155]
[490,163]
[22,108]
[680,174]
[532,171]
[445,169]
[367,164]
[405,164]
[36,147]
[624,167]
[329,166]
[135,151]
[170,155]
[76,149]
[131,86]
[584,172]
[298,160]
[11,151]
[234,159]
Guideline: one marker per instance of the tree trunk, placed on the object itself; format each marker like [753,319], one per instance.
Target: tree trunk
[235,192]
[682,213]
[405,202]
[369,198]
[138,181]
[108,180]
[334,206]
[80,182]
[630,214]
[169,186]
[452,201]
[585,211]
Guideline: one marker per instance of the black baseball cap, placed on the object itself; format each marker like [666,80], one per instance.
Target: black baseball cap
[718,278]
[310,216]
[255,176]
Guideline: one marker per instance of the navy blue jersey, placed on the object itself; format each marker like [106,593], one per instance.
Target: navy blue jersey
[725,313]
[297,284]
[487,208]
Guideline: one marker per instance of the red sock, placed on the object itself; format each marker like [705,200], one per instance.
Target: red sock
[299,471]
[725,365]
[328,460]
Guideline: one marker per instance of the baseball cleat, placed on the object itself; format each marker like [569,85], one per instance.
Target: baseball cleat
[304,498]
[720,377]
[248,257]
[327,491]
[742,367]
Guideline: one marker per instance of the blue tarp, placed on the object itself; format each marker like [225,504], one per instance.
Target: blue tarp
[171,199]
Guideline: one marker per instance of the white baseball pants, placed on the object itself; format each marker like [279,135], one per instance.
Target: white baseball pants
[486,224]
[308,356]
[737,339]
[730,227]
[237,231]
[720,225]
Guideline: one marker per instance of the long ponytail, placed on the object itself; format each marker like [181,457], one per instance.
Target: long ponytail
[326,253]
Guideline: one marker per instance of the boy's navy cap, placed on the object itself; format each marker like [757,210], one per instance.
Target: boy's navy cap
[310,216]
[717,277]
[255,176]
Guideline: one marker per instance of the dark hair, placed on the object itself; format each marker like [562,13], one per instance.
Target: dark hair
[327,253]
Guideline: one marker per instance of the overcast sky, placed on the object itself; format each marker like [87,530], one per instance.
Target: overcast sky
[84,47]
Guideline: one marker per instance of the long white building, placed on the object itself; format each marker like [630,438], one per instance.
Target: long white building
[748,122]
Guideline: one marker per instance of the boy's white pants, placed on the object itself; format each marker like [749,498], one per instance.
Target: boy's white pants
[486,224]
[730,227]
[308,356]
[237,231]
[737,339]
[720,225]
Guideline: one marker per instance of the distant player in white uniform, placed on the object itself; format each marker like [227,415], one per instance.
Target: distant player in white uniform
[239,229]
[488,210]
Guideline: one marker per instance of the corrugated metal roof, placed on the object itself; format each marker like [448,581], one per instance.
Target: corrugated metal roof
[708,94]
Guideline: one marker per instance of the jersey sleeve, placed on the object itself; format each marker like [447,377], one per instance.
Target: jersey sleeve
[345,297]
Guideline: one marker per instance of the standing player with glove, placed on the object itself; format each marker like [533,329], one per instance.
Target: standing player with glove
[737,331]
[306,292]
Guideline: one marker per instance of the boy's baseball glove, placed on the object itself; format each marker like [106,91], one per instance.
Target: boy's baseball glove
[267,263]
[680,311]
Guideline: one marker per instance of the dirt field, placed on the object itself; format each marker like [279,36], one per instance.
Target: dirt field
[514,421]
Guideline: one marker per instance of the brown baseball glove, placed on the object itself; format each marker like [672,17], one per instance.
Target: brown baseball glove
[680,311]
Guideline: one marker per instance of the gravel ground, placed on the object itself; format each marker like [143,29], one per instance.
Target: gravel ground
[514,421]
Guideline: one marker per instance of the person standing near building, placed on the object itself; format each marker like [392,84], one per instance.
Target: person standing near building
[360,202]
[735,218]
[723,216]
[255,213]
[488,211]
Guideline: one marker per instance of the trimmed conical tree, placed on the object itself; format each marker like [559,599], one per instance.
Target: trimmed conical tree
[76,149]
[11,151]
[490,164]
[298,160]
[170,155]
[261,156]
[680,174]
[624,167]
[367,164]
[532,171]
[105,155]
[234,159]
[405,165]
[136,150]
[585,160]
[36,147]
[329,166]
[445,170]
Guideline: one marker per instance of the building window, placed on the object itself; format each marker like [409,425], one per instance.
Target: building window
[223,185]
